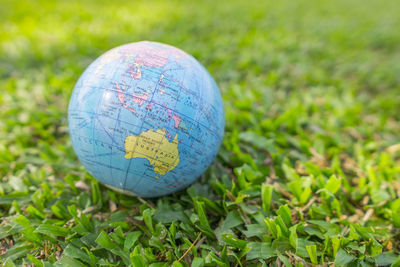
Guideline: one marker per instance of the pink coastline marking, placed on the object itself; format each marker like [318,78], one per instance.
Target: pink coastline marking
[177,120]
[121,95]
[140,99]
[122,98]
[175,117]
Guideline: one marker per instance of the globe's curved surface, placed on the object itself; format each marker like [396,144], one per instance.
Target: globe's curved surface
[146,118]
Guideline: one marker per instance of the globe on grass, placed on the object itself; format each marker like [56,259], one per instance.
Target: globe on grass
[146,118]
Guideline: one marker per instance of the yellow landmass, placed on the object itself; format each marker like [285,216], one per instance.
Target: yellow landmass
[154,146]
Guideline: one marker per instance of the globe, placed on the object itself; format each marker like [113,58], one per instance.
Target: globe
[146,119]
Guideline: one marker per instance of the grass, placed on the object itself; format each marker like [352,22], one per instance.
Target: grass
[309,170]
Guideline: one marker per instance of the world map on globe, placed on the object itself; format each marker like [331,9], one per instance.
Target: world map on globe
[146,118]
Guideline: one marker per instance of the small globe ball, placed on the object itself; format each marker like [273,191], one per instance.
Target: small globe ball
[146,118]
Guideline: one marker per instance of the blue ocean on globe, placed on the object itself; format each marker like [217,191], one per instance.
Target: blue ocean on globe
[146,118]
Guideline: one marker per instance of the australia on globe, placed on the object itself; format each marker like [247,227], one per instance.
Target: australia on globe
[146,119]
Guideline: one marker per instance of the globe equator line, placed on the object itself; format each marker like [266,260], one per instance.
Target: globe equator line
[102,115]
[157,104]
[193,121]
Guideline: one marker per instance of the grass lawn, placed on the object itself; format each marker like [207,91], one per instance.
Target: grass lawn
[309,170]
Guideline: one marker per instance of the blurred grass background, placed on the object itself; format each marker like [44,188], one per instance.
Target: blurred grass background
[315,83]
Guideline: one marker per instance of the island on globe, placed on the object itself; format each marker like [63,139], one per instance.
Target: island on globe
[146,119]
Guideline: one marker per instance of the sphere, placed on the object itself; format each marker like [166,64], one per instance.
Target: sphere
[146,119]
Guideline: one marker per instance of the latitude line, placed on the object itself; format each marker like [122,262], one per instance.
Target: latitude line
[193,121]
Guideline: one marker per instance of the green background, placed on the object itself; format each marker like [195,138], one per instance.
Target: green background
[309,169]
